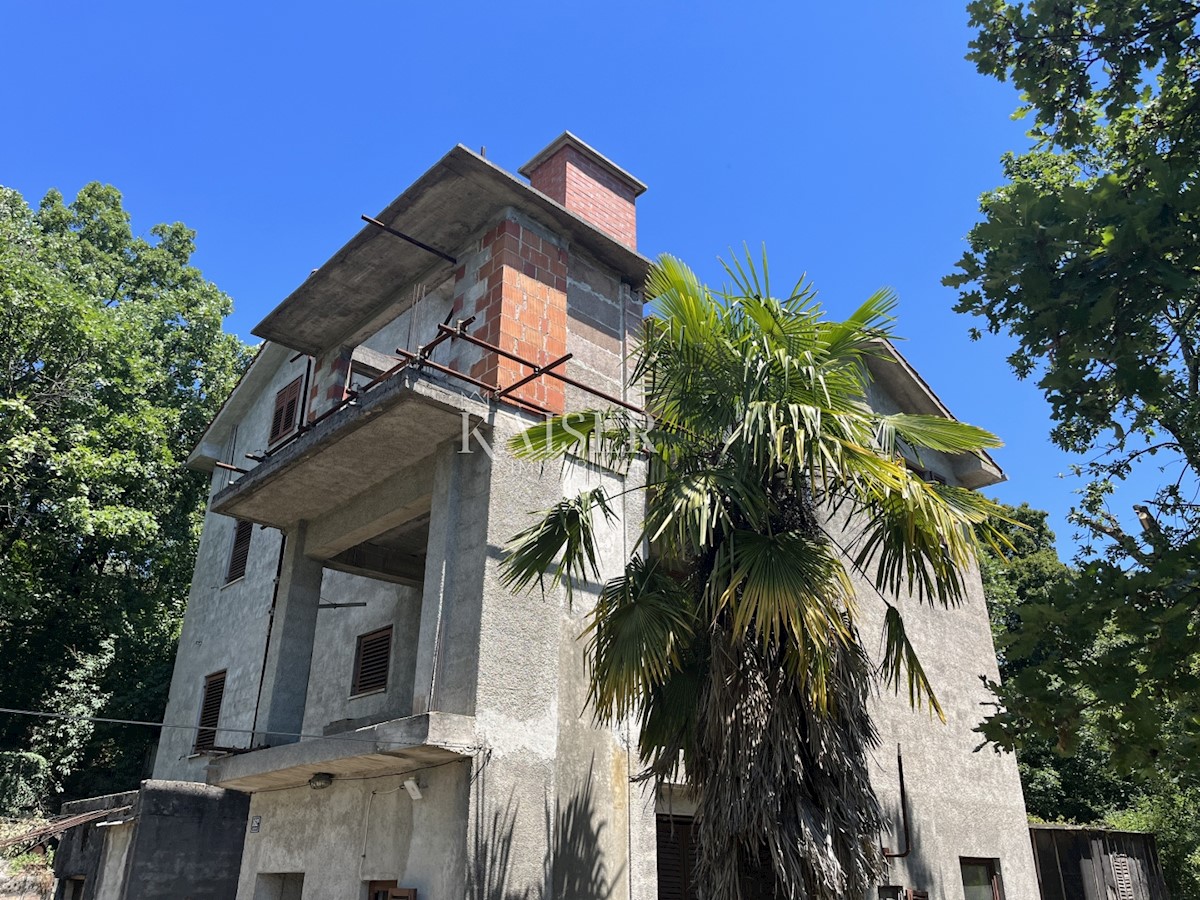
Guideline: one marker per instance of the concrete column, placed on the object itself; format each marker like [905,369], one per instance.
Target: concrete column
[289,656]
[439,577]
[447,659]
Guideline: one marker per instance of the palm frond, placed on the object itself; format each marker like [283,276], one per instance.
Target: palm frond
[562,544]
[638,627]
[901,665]
[932,433]
[609,437]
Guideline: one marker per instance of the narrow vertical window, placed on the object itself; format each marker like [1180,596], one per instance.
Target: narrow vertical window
[287,412]
[371,659]
[210,711]
[240,551]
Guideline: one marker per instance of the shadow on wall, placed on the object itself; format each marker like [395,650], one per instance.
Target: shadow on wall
[574,867]
[918,870]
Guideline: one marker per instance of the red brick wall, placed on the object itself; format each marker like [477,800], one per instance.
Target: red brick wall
[330,381]
[589,191]
[522,308]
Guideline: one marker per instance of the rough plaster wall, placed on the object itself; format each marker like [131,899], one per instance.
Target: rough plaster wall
[420,843]
[961,802]
[225,625]
[554,799]
[336,640]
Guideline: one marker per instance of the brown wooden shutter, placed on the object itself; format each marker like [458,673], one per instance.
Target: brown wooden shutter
[287,408]
[240,552]
[210,711]
[371,661]
[676,858]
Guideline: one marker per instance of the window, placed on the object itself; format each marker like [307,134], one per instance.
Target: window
[371,660]
[981,879]
[676,858]
[387,890]
[287,411]
[240,552]
[210,711]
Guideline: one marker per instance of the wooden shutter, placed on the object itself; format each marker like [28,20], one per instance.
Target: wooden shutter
[240,552]
[676,858]
[210,711]
[287,409]
[371,660]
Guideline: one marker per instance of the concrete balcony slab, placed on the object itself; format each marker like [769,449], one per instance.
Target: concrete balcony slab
[395,426]
[389,748]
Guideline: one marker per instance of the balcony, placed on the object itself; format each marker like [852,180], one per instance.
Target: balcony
[389,748]
[388,434]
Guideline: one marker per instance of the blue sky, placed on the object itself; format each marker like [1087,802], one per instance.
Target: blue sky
[853,139]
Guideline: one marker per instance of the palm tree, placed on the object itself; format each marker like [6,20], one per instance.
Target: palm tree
[732,638]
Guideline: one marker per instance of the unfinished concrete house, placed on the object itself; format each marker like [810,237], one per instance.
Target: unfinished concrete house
[402,725]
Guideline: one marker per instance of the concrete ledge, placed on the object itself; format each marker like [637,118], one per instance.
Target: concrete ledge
[388,748]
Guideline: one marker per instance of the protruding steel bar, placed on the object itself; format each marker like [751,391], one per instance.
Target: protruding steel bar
[537,370]
[412,240]
[471,339]
[483,386]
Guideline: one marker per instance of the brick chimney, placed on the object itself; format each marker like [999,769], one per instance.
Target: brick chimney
[588,184]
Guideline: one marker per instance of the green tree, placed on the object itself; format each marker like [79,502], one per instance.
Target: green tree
[1089,256]
[112,361]
[734,643]
[1082,786]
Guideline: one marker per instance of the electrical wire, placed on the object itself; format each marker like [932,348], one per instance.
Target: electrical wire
[250,731]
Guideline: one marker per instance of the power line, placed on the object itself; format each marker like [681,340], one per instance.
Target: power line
[250,731]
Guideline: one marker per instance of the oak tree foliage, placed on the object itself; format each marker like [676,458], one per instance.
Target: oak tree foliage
[1089,257]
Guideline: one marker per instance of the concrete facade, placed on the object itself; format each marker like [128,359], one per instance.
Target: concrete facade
[475,770]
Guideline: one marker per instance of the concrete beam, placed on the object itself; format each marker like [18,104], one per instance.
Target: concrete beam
[394,501]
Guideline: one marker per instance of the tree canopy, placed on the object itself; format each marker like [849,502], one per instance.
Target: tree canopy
[733,639]
[1089,257]
[1082,786]
[112,361]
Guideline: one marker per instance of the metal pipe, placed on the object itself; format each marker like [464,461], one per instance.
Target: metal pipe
[888,854]
[563,378]
[483,386]
[537,370]
[412,240]
[221,465]
[444,332]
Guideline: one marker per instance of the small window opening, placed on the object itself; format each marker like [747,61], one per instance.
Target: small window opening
[240,552]
[981,879]
[287,411]
[371,661]
[387,890]
[210,711]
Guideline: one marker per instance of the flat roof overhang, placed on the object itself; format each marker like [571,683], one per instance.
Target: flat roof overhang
[897,375]
[389,748]
[370,279]
[393,427]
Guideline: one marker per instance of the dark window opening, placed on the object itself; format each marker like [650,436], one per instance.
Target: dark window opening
[981,879]
[387,890]
[210,711]
[371,660]
[242,533]
[287,411]
[676,842]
